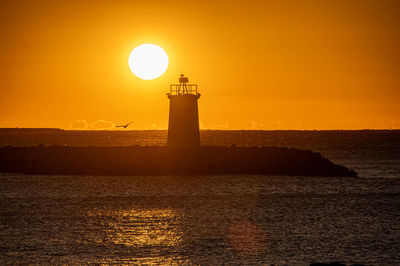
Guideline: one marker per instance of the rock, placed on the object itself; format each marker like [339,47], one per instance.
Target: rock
[158,160]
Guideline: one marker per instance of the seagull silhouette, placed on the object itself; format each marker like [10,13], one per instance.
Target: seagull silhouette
[125,126]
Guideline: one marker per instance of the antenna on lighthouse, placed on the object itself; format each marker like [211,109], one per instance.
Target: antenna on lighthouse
[183,88]
[182,84]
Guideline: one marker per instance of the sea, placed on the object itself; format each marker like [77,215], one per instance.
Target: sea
[206,219]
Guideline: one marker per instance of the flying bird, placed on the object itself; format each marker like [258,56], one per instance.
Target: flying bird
[125,126]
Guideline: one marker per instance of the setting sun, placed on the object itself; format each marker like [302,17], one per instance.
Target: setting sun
[148,61]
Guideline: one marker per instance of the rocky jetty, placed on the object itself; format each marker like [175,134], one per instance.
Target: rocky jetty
[159,160]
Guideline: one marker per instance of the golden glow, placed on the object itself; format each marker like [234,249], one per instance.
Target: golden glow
[141,228]
[148,61]
[259,64]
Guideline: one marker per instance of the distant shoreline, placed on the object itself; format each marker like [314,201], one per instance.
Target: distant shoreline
[9,129]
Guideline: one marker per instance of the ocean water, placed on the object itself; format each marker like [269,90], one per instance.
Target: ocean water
[207,220]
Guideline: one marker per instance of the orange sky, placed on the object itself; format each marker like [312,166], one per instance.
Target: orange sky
[258,64]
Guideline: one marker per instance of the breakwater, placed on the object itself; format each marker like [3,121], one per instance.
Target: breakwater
[159,160]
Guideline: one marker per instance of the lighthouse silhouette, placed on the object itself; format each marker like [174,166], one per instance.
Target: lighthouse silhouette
[183,126]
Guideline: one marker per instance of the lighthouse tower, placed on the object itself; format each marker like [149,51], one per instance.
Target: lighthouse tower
[183,126]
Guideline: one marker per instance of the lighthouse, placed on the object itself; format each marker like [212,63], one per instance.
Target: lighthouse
[183,126]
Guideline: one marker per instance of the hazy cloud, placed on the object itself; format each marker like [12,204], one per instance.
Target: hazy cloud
[274,125]
[78,125]
[224,126]
[253,125]
[391,125]
[102,125]
[261,125]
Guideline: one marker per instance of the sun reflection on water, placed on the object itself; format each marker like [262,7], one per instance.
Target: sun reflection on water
[141,228]
[146,233]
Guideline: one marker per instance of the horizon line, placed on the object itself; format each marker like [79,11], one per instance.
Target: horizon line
[204,129]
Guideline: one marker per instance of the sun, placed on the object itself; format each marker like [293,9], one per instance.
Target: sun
[148,61]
